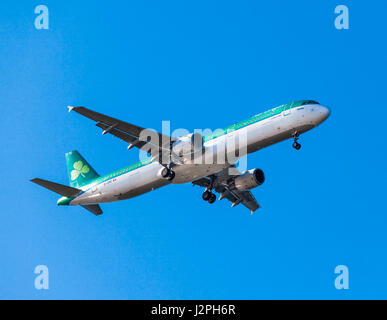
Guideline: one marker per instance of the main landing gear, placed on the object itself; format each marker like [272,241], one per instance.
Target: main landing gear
[168,174]
[296,136]
[209,196]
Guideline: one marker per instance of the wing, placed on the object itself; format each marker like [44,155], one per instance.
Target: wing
[219,183]
[127,132]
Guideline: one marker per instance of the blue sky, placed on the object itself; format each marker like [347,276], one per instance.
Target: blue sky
[202,64]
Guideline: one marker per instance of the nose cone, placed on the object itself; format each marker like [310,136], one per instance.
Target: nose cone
[326,112]
[322,114]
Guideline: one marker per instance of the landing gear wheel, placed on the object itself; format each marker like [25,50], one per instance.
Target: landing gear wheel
[171,175]
[206,195]
[165,173]
[296,136]
[212,198]
[296,146]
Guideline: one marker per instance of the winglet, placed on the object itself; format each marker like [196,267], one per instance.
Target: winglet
[70,108]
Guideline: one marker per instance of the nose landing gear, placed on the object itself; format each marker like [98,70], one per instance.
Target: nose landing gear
[296,136]
[296,146]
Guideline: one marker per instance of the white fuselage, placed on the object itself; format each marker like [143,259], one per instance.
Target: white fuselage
[255,136]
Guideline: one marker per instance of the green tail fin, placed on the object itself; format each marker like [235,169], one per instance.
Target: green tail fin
[79,171]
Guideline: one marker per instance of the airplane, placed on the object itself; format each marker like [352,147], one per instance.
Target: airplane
[193,158]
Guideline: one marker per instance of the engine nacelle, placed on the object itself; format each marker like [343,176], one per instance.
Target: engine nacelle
[249,180]
[188,144]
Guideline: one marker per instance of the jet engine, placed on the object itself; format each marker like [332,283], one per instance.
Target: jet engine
[188,144]
[249,180]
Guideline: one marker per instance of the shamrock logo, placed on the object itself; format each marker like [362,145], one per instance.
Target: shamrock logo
[79,169]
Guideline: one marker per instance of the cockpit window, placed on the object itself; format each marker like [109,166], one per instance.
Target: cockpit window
[309,102]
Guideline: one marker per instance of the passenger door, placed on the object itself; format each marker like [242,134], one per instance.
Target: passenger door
[286,112]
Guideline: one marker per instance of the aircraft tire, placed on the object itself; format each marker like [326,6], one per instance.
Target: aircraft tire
[206,195]
[212,198]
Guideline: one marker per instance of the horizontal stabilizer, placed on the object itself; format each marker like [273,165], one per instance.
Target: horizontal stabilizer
[93,208]
[58,188]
